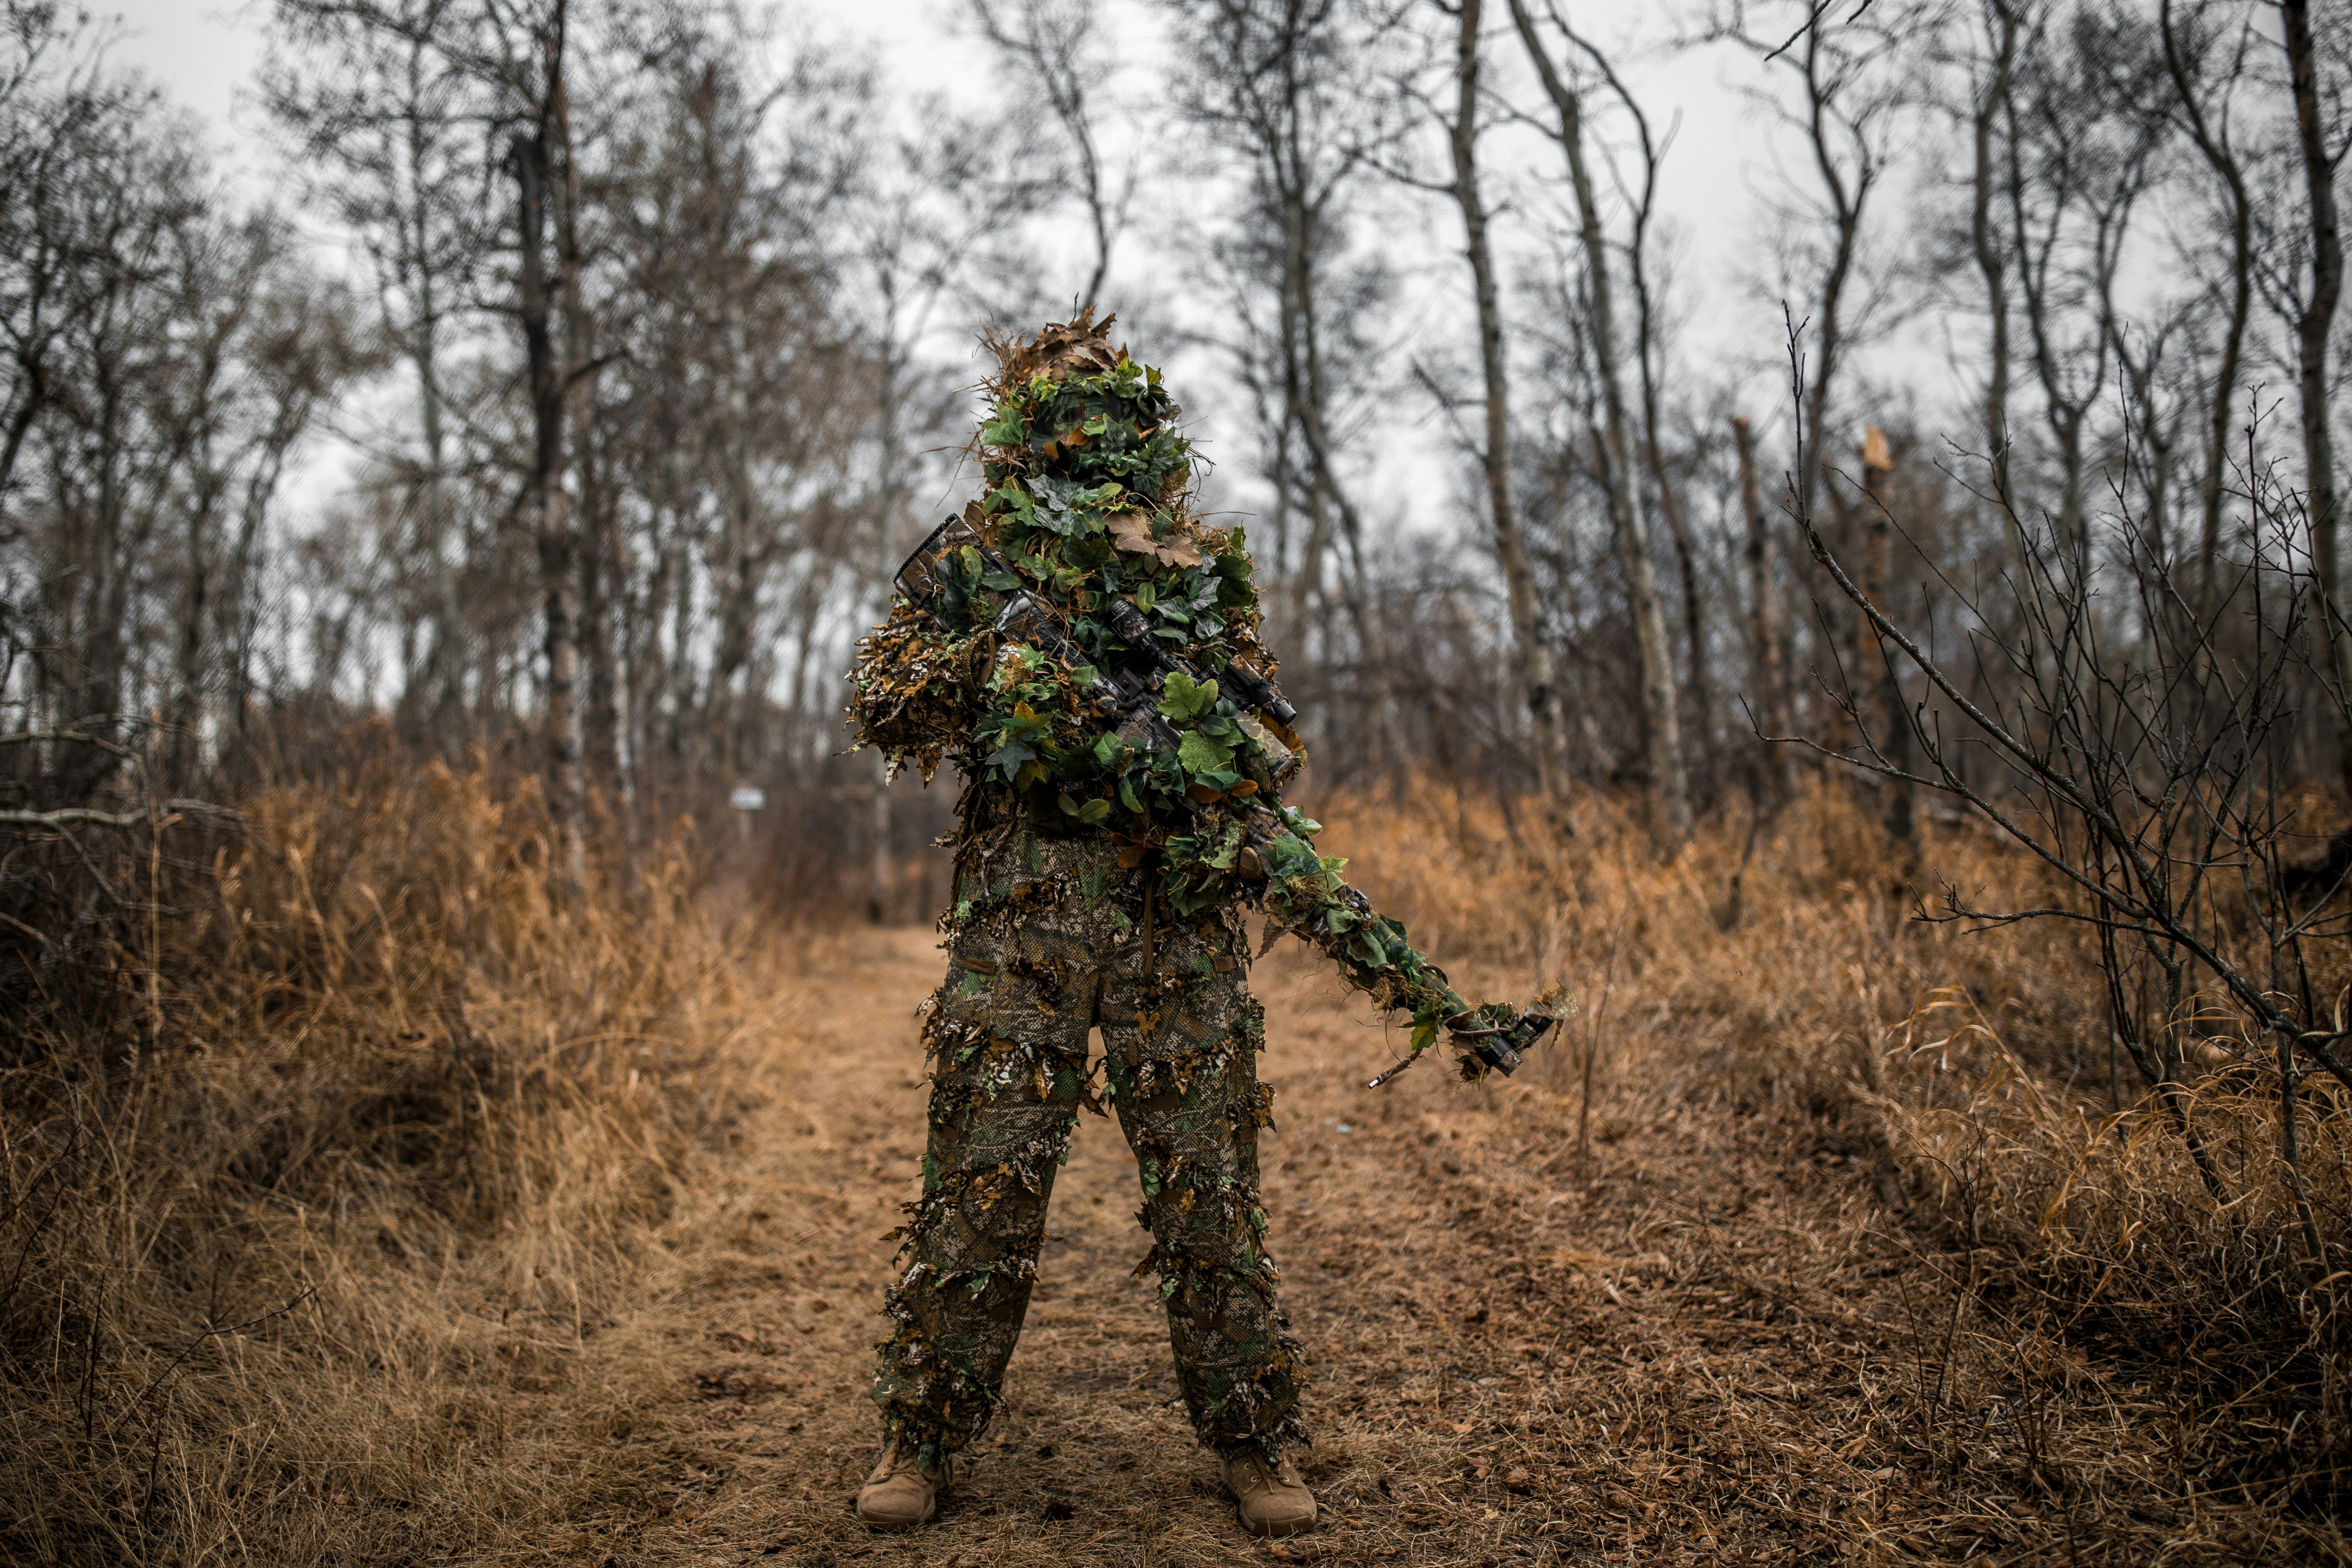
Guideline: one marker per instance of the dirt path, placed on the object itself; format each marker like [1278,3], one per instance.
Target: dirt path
[1508,1368]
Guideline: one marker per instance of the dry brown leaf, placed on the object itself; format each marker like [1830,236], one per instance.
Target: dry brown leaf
[1132,532]
[1179,550]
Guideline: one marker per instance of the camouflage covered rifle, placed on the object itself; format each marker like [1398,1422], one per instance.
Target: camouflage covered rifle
[1491,1039]
[1130,704]
[1120,698]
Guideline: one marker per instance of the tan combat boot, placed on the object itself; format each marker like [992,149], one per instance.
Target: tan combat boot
[901,1493]
[1273,1499]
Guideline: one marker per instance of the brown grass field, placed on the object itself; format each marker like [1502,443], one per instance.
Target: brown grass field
[468,1226]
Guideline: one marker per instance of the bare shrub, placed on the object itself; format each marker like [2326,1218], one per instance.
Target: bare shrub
[316,1140]
[2065,1262]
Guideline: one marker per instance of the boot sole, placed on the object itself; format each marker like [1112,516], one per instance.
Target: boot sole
[1275,1531]
[893,1525]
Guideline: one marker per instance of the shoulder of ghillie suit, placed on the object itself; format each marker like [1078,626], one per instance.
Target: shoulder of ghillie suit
[1086,498]
[1085,524]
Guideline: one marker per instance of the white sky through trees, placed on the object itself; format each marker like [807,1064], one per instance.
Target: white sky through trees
[1716,197]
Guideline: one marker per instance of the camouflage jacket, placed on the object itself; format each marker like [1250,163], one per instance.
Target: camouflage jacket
[1089,501]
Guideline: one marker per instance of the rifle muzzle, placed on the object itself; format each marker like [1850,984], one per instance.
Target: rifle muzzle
[1502,1049]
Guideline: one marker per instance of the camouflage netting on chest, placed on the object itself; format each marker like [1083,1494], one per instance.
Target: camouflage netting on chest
[1088,503]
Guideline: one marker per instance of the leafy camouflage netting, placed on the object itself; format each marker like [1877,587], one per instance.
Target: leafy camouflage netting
[1089,504]
[1086,651]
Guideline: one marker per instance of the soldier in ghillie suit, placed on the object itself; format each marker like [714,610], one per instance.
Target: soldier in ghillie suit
[1086,650]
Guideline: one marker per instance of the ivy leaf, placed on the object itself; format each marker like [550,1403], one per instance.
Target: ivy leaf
[1182,698]
[1202,754]
[1011,755]
[1010,496]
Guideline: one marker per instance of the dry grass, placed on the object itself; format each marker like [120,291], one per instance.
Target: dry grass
[371,1126]
[2072,1327]
[1843,1258]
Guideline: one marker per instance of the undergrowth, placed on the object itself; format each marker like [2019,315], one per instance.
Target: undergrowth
[2092,1312]
[305,1127]
[323,1137]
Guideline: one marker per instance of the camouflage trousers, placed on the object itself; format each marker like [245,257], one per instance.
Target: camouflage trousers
[1049,941]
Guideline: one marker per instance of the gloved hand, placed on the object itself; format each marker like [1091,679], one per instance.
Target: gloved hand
[1495,1036]
[1492,1037]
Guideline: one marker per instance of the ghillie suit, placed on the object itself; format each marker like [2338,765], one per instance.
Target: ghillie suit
[1101,882]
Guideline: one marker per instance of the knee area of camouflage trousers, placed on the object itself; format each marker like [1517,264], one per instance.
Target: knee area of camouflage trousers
[1007,1035]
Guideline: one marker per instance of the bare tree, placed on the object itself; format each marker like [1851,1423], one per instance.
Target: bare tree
[533,57]
[2080,153]
[2202,100]
[2323,156]
[59,115]
[1055,46]
[1767,670]
[379,104]
[1532,654]
[2152,800]
[1661,724]
[1850,90]
[1289,91]
[1988,102]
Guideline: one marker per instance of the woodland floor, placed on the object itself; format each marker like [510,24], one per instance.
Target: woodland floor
[1681,1353]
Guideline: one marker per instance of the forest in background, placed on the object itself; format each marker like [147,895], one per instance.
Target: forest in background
[653,356]
[338,814]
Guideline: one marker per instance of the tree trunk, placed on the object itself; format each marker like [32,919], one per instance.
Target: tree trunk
[2311,330]
[599,533]
[881,878]
[2214,148]
[1532,656]
[1306,389]
[1669,783]
[1989,259]
[1887,715]
[1701,684]
[545,508]
[1768,671]
[444,672]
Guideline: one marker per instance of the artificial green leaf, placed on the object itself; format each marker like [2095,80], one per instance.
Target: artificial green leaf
[1182,698]
[1010,496]
[1201,755]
